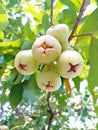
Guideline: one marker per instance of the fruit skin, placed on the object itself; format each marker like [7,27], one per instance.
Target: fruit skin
[49,81]
[25,62]
[60,32]
[70,64]
[46,49]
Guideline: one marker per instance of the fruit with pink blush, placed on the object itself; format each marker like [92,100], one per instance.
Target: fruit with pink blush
[49,81]
[25,62]
[46,49]
[70,64]
[60,32]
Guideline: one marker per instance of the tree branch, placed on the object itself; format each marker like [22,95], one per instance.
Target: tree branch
[86,34]
[51,13]
[52,113]
[83,35]
[82,9]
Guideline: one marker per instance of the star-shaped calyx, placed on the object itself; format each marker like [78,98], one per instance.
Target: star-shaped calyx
[22,66]
[49,85]
[45,46]
[72,67]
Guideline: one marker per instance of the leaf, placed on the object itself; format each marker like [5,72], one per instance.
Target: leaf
[77,81]
[13,78]
[3,18]
[1,35]
[28,33]
[26,45]
[74,5]
[89,26]
[91,23]
[36,12]
[13,2]
[10,47]
[68,16]
[47,4]
[13,44]
[93,72]
[45,22]
[15,95]
[30,90]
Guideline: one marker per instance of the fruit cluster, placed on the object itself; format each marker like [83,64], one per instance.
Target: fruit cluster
[51,51]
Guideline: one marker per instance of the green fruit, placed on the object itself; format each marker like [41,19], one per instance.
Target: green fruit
[60,32]
[70,64]
[49,81]
[25,62]
[46,49]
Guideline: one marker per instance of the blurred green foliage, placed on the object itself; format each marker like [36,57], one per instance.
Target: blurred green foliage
[21,21]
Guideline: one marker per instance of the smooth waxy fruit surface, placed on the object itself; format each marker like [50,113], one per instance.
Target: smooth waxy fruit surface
[70,64]
[46,49]
[60,32]
[49,81]
[25,62]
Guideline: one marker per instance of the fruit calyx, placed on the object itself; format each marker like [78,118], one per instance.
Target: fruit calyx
[49,85]
[72,67]
[45,46]
[22,66]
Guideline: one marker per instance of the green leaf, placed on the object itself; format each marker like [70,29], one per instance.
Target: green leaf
[77,81]
[31,8]
[1,35]
[13,79]
[3,18]
[68,16]
[26,45]
[13,44]
[47,4]
[83,44]
[10,47]
[28,33]
[90,25]
[15,95]
[74,5]
[13,2]
[45,22]
[93,72]
[31,90]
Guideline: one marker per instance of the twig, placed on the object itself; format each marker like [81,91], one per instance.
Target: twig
[83,35]
[48,101]
[86,34]
[51,13]
[82,9]
[50,111]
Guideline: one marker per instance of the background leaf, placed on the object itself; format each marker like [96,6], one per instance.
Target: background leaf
[93,72]
[15,95]
[89,26]
[28,33]
[45,22]
[30,90]
[3,18]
